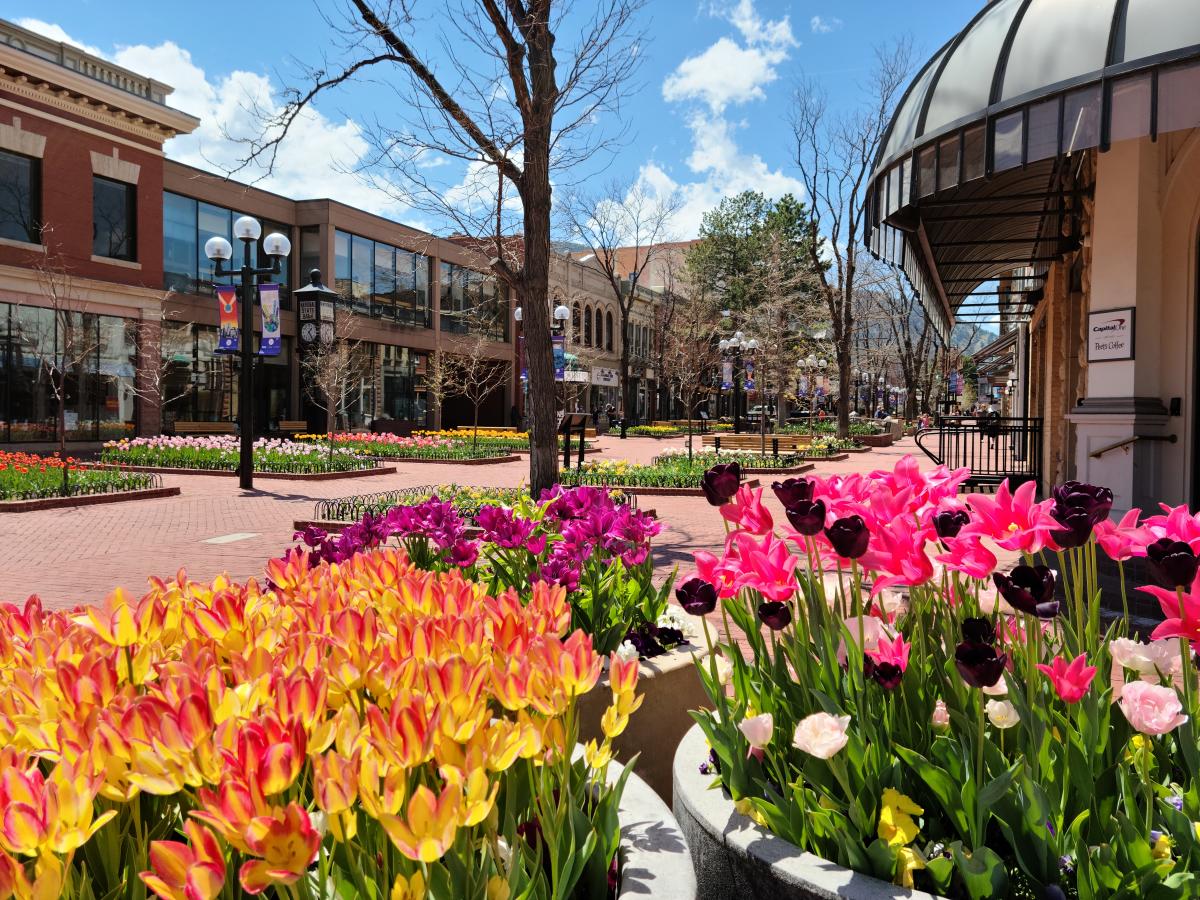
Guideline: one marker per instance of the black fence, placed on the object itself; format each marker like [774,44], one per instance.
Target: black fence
[993,449]
[353,508]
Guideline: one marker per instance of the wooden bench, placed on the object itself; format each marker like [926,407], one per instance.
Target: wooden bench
[205,428]
[788,443]
[292,426]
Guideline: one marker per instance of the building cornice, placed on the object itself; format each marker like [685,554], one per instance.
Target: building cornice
[40,80]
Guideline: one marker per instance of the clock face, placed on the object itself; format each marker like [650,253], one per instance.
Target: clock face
[326,332]
[308,331]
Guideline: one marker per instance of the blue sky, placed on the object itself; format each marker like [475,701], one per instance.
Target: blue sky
[709,117]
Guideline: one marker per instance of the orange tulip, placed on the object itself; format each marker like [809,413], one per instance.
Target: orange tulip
[191,871]
[286,843]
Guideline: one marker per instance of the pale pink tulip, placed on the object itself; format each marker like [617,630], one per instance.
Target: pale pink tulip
[821,735]
[1151,708]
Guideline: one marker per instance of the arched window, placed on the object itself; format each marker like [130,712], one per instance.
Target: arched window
[599,329]
[576,325]
[587,326]
[608,331]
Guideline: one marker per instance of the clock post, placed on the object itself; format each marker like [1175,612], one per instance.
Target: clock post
[315,311]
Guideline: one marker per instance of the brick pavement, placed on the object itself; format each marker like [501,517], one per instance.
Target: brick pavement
[71,556]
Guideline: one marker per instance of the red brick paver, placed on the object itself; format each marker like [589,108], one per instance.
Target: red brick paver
[71,556]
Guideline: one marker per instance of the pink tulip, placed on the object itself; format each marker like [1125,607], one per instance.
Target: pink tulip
[758,730]
[767,567]
[967,554]
[718,572]
[747,511]
[1072,679]
[1013,519]
[821,735]
[894,652]
[941,715]
[1178,524]
[897,549]
[1150,708]
[1123,540]
[1182,613]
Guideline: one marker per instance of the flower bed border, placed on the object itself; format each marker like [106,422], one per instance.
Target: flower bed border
[231,473]
[23,506]
[875,440]
[469,461]
[736,857]
[790,470]
[655,861]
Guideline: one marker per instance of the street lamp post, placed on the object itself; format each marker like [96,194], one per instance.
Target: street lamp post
[248,230]
[522,382]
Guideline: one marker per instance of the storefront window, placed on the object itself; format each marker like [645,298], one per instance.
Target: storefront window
[473,303]
[114,218]
[20,195]
[117,397]
[180,251]
[403,379]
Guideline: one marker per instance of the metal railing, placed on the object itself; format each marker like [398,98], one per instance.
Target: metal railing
[993,449]
[353,508]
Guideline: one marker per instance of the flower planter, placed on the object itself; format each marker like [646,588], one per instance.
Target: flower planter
[875,440]
[790,470]
[671,687]
[735,857]
[20,506]
[475,461]
[670,491]
[655,861]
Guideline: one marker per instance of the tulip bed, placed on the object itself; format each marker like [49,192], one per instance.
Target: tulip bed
[666,471]
[581,539]
[466,500]
[221,452]
[28,476]
[391,446]
[490,438]
[970,742]
[364,729]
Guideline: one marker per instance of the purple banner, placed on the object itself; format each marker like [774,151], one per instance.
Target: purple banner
[268,301]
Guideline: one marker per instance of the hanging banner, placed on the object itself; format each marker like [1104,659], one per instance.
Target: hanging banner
[521,357]
[268,300]
[560,356]
[227,304]
[748,380]
[726,375]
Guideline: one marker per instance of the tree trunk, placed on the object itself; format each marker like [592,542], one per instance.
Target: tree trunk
[543,460]
[843,407]
[475,431]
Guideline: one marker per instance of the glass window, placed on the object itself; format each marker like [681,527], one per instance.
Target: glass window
[1130,108]
[1081,119]
[587,326]
[118,370]
[1006,144]
[472,301]
[20,196]
[948,163]
[114,218]
[383,292]
[599,330]
[79,345]
[211,221]
[927,163]
[1043,131]
[31,398]
[310,252]
[362,253]
[403,378]
[1179,98]
[341,263]
[974,150]
[576,321]
[412,289]
[178,347]
[180,251]
[608,331]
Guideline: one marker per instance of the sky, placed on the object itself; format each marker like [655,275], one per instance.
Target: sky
[707,115]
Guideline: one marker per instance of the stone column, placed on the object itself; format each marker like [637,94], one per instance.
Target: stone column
[1123,398]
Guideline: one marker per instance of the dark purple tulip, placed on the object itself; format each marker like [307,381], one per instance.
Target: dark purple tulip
[1093,500]
[849,537]
[721,482]
[793,491]
[774,614]
[697,596]
[949,522]
[978,664]
[807,516]
[1029,589]
[1076,528]
[887,675]
[978,631]
[1172,563]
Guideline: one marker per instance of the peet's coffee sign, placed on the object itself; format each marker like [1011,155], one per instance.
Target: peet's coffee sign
[1110,335]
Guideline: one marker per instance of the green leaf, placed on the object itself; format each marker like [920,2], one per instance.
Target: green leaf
[983,873]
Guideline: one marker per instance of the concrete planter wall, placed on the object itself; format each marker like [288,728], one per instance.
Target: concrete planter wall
[671,687]
[655,862]
[875,440]
[735,857]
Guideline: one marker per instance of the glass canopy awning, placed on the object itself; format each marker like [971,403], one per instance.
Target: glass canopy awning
[979,175]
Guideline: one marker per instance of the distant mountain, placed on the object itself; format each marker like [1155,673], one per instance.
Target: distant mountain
[969,338]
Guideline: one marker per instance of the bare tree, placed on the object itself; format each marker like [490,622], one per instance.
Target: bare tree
[435,384]
[155,383]
[624,225]
[334,368]
[690,357]
[470,372]
[59,335]
[515,100]
[835,154]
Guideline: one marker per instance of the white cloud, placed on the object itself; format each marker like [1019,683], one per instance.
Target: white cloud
[315,160]
[824,25]
[732,71]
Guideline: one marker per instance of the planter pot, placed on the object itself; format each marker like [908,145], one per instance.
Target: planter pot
[671,687]
[735,857]
[875,440]
[655,861]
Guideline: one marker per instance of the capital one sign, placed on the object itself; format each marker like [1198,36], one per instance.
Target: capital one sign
[1110,334]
